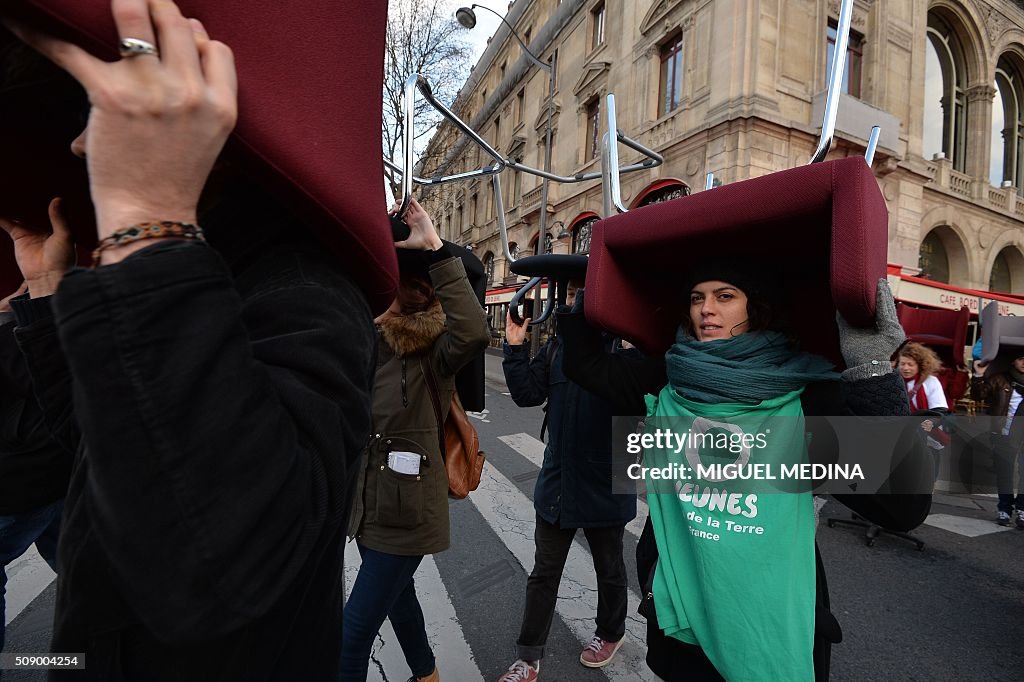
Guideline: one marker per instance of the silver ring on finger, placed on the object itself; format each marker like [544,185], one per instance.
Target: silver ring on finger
[134,47]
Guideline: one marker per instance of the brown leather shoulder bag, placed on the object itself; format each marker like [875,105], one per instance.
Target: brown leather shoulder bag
[459,441]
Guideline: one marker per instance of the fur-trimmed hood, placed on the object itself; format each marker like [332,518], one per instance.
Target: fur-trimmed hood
[412,334]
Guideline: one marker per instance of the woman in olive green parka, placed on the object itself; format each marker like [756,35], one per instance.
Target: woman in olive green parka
[400,504]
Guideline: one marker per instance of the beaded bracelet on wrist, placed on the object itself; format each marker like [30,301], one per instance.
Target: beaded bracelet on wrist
[164,229]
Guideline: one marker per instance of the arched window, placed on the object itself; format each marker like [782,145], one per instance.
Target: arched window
[548,240]
[663,194]
[1007,163]
[513,249]
[1008,272]
[932,258]
[581,232]
[1000,279]
[488,269]
[945,107]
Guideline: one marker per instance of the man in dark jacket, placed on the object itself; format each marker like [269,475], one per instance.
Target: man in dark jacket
[1001,386]
[34,470]
[573,491]
[218,389]
[220,414]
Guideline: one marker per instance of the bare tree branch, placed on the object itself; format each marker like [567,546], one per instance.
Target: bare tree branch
[422,37]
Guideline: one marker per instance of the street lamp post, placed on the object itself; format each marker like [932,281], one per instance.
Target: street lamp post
[467,18]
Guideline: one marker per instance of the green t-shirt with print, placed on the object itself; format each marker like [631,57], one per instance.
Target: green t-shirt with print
[736,570]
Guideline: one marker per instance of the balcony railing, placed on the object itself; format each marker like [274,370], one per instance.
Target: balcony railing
[977,190]
[960,183]
[531,200]
[663,131]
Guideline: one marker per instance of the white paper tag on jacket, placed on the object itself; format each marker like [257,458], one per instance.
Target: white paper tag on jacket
[404,462]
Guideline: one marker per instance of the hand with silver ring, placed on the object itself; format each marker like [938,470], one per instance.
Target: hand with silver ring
[133,47]
[157,124]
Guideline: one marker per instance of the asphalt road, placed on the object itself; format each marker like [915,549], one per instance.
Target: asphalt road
[950,612]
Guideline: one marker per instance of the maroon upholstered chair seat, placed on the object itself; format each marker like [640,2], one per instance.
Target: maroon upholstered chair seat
[821,230]
[310,75]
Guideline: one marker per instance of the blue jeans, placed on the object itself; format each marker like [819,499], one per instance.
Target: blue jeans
[17,533]
[384,588]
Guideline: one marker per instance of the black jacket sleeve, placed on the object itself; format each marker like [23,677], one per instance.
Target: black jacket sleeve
[620,379]
[217,428]
[20,417]
[527,379]
[50,378]
[34,469]
[466,333]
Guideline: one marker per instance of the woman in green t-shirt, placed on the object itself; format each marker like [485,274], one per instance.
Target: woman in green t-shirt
[737,588]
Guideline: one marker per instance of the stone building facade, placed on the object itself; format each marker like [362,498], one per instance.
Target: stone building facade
[736,88]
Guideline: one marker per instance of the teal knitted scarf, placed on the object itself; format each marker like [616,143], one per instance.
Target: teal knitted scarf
[745,369]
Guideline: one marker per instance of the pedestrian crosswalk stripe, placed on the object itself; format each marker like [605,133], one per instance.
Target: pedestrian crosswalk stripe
[964,525]
[510,514]
[533,450]
[454,657]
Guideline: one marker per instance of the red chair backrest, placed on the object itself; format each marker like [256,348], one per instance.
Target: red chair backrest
[310,77]
[944,331]
[822,229]
[954,384]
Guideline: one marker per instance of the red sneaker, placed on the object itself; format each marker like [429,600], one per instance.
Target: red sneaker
[599,652]
[521,671]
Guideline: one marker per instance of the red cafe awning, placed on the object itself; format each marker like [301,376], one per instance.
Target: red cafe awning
[505,294]
[920,291]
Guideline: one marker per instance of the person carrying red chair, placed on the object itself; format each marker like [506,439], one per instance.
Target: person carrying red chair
[211,373]
[733,355]
[573,492]
[734,327]
[1000,384]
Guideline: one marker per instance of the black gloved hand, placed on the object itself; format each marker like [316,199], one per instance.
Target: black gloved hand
[577,306]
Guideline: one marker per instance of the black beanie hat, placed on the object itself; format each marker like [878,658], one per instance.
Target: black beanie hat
[748,277]
[469,381]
